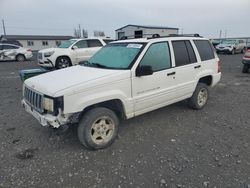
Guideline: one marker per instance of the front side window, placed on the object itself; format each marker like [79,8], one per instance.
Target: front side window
[81,44]
[205,49]
[116,55]
[157,56]
[67,44]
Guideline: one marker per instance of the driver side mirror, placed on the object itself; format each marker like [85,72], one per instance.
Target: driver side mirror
[74,47]
[144,70]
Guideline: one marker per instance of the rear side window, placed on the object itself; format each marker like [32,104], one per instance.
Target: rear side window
[94,43]
[184,53]
[205,49]
[157,56]
[108,40]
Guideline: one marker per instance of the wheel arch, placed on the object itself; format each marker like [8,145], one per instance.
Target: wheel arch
[208,80]
[66,56]
[115,105]
[21,55]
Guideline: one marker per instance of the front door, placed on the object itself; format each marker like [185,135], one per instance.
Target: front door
[81,53]
[156,90]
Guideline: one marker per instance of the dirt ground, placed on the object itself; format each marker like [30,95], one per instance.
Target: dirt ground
[172,147]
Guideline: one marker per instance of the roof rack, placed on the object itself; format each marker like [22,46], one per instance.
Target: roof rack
[152,36]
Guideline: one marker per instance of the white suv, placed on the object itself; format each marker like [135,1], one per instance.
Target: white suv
[124,79]
[14,52]
[70,52]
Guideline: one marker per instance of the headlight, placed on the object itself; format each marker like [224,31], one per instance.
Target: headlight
[48,54]
[48,104]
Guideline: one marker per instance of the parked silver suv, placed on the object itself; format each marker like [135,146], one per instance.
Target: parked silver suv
[232,46]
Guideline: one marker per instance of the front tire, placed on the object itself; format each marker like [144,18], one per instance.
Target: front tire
[200,97]
[20,58]
[98,128]
[245,68]
[63,62]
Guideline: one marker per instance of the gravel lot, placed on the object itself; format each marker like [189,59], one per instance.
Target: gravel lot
[170,147]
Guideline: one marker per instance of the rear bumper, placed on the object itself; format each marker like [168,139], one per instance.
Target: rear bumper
[246,61]
[28,55]
[216,79]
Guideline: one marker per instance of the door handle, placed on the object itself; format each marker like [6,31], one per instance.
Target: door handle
[171,73]
[198,66]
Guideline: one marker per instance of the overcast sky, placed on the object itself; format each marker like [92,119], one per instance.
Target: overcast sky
[60,17]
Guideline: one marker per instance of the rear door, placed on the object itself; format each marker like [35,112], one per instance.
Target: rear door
[207,56]
[186,67]
[93,46]
[81,53]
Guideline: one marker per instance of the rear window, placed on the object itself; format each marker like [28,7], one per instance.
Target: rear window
[205,49]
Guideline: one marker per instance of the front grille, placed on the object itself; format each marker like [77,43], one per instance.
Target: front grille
[39,55]
[34,99]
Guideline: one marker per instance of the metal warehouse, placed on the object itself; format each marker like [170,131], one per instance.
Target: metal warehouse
[139,31]
[34,42]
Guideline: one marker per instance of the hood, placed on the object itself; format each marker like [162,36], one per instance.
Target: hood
[56,81]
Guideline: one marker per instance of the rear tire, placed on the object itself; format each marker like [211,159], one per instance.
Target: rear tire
[20,58]
[245,68]
[200,97]
[98,128]
[63,62]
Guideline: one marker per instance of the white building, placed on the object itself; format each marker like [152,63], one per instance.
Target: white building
[139,31]
[34,42]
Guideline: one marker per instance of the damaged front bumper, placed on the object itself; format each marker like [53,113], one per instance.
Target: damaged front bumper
[47,119]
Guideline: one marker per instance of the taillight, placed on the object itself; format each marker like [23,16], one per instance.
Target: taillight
[218,66]
[29,50]
[247,54]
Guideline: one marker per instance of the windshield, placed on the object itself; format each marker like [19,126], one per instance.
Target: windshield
[228,41]
[67,43]
[116,55]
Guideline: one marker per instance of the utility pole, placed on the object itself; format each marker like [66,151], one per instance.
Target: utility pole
[80,33]
[220,34]
[4,28]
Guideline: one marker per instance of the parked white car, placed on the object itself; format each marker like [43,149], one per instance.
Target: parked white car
[70,52]
[14,53]
[124,79]
[232,46]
